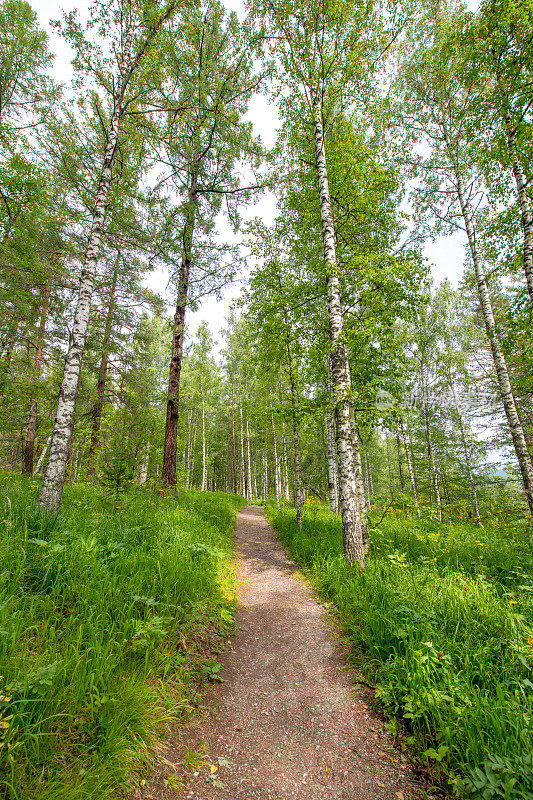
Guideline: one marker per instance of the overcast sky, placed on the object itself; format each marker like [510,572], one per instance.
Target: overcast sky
[446,254]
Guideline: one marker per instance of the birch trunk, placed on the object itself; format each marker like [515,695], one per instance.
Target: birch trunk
[332,463]
[389,466]
[276,461]
[286,488]
[333,478]
[431,460]
[360,485]
[193,446]
[502,373]
[400,461]
[468,464]
[54,478]
[244,485]
[410,469]
[204,447]
[296,440]
[265,473]
[102,373]
[43,454]
[171,425]
[249,462]
[349,502]
[29,443]
[526,218]
[234,452]
[143,469]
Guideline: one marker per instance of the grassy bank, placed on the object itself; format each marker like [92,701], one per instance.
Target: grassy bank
[107,623]
[444,616]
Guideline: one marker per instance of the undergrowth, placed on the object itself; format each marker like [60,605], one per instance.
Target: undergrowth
[444,616]
[108,620]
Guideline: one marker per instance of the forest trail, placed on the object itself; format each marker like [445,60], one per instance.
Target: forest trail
[288,721]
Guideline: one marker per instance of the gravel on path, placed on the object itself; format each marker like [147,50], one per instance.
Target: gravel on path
[289,722]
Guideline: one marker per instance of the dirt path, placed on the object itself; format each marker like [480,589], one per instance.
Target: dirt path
[287,722]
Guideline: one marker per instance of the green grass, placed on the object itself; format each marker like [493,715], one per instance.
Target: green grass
[108,624]
[444,616]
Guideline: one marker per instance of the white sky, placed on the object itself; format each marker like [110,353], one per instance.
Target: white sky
[446,254]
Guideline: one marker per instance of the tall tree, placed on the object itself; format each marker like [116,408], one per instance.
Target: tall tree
[125,81]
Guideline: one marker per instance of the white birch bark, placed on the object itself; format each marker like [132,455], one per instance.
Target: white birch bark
[333,481]
[515,425]
[332,463]
[244,490]
[468,464]
[265,474]
[389,467]
[400,460]
[54,478]
[143,469]
[348,496]
[526,218]
[43,453]
[249,462]
[204,447]
[276,461]
[410,470]
[431,460]
[360,484]
[286,485]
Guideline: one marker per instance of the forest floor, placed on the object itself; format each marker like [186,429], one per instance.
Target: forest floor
[289,719]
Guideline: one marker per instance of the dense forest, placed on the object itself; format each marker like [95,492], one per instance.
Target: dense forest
[386,422]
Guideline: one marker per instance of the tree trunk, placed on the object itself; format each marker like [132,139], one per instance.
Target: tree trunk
[349,502]
[204,445]
[29,443]
[389,466]
[249,463]
[171,426]
[43,453]
[502,373]
[234,452]
[431,460]
[471,479]
[359,480]
[54,479]
[296,440]
[333,478]
[333,493]
[102,372]
[286,488]
[244,483]
[526,218]
[276,461]
[410,469]
[143,469]
[400,460]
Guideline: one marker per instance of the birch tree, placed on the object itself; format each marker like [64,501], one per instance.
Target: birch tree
[434,110]
[201,158]
[323,50]
[132,32]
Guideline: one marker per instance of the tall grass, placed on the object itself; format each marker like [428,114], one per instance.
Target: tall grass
[104,618]
[444,615]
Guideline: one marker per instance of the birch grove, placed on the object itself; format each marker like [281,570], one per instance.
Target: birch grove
[338,373]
